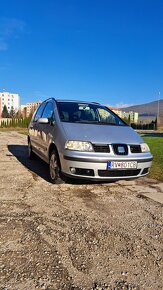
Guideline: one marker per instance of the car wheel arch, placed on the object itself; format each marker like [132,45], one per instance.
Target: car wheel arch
[51,148]
[53,151]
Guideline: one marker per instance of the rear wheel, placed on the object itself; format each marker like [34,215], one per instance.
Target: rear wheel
[31,154]
[54,168]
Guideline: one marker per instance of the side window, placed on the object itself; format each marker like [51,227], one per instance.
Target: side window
[39,112]
[105,116]
[48,111]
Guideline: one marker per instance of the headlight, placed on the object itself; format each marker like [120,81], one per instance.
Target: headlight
[79,146]
[144,147]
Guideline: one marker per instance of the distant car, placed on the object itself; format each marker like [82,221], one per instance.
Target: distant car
[86,140]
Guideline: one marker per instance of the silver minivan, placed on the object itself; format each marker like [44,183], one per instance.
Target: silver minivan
[86,140]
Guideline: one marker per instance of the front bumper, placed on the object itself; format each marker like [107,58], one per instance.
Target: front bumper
[94,166]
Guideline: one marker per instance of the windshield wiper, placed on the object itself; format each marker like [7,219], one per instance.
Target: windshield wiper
[106,123]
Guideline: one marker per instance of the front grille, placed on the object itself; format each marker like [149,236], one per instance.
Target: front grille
[120,149]
[105,148]
[118,173]
[101,148]
[135,148]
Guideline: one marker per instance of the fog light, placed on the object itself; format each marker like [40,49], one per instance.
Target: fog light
[73,170]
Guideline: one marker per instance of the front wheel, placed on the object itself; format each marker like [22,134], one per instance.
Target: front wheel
[54,168]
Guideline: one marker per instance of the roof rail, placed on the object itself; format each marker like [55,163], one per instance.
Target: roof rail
[49,99]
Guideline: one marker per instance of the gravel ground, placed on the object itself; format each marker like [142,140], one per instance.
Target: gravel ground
[74,236]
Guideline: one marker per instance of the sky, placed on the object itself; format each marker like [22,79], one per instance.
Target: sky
[107,51]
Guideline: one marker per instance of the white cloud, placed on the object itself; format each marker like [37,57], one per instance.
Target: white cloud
[10,28]
[123,105]
[120,105]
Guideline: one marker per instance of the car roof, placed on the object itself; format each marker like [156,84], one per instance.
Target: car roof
[75,101]
[70,101]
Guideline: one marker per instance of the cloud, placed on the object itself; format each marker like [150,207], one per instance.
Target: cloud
[120,105]
[10,28]
[123,105]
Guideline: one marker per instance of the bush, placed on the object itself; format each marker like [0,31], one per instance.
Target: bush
[16,123]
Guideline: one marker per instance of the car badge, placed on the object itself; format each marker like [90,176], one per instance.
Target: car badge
[121,150]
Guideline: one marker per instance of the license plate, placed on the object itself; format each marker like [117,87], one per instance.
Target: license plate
[122,164]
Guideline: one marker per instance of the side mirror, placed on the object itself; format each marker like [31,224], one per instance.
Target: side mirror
[43,121]
[52,122]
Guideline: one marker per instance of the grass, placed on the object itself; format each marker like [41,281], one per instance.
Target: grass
[156,147]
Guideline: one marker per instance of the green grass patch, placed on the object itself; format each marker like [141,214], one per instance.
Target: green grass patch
[156,147]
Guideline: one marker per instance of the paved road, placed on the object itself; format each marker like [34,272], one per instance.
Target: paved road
[75,236]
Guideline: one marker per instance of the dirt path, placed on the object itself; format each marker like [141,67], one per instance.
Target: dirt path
[74,236]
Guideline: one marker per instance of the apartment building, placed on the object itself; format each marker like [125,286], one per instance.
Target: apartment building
[10,100]
[117,111]
[29,108]
[132,115]
[122,114]
[23,111]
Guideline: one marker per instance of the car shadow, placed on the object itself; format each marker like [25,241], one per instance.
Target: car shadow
[40,168]
[36,166]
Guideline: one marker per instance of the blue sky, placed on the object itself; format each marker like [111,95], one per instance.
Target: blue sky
[109,51]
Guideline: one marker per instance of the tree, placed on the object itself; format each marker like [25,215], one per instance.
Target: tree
[126,120]
[12,112]
[156,124]
[129,119]
[5,113]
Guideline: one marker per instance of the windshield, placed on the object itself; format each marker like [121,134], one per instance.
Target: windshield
[88,114]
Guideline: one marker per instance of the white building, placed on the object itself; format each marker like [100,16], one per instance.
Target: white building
[132,115]
[10,100]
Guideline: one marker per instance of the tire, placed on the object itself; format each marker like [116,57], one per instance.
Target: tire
[31,154]
[54,168]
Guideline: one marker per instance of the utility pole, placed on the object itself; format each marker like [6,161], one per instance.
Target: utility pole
[158,106]
[158,110]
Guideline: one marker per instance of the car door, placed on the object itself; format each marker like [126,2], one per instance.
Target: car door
[35,128]
[47,129]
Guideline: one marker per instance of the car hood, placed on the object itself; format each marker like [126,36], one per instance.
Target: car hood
[104,134]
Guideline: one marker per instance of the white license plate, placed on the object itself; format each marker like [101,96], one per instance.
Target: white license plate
[122,164]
